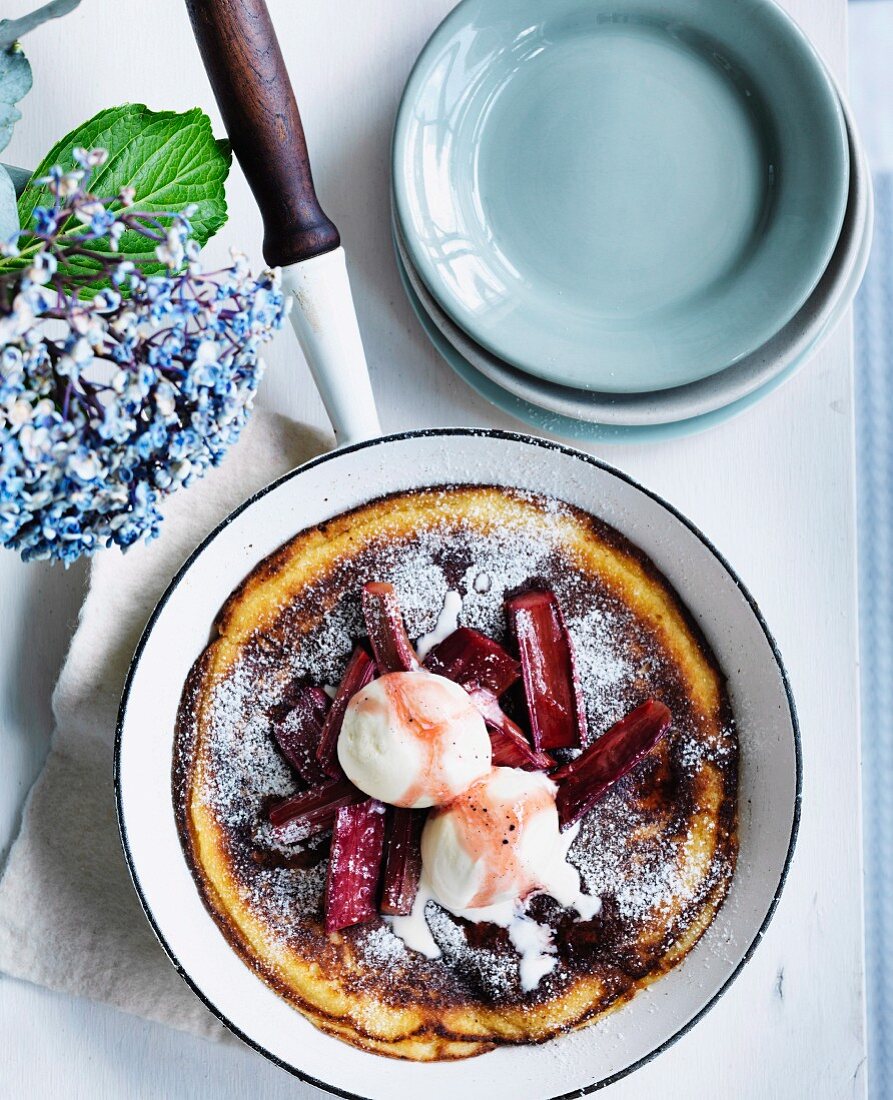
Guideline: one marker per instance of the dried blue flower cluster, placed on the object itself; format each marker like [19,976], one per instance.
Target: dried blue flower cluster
[112,400]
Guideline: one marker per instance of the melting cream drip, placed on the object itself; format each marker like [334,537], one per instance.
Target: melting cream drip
[447,622]
[532,941]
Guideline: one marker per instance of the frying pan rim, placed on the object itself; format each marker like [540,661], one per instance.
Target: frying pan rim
[515,437]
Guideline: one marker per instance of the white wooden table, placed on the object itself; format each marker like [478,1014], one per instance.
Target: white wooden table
[773,488]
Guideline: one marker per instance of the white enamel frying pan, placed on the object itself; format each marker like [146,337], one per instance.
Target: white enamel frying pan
[358,471]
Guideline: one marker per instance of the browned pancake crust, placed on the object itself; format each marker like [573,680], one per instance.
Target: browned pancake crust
[660,848]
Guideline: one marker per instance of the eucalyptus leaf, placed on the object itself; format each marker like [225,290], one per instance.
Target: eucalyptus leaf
[15,72]
[19,177]
[171,161]
[9,214]
[11,30]
[15,82]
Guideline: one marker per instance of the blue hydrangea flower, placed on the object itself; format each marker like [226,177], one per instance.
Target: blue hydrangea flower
[110,403]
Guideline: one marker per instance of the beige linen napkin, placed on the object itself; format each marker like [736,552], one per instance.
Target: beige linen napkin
[69,916]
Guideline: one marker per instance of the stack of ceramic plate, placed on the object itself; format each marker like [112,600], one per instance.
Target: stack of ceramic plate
[623,218]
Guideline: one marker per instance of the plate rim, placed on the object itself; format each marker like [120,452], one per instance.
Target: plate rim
[794,36]
[517,437]
[588,407]
[592,431]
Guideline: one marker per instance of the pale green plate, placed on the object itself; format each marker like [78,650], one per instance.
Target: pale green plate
[620,195]
[587,431]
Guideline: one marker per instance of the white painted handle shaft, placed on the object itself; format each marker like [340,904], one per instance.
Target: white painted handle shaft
[325,320]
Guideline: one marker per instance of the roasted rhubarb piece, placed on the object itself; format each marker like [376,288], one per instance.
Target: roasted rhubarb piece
[299,731]
[548,670]
[511,749]
[312,811]
[486,670]
[355,864]
[472,659]
[583,781]
[387,634]
[359,672]
[402,861]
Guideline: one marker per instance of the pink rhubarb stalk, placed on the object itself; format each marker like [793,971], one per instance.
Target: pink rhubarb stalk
[474,660]
[312,811]
[355,865]
[548,670]
[387,633]
[486,670]
[403,861]
[511,749]
[299,731]
[583,781]
[359,672]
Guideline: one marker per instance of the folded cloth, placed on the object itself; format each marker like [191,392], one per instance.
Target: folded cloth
[69,916]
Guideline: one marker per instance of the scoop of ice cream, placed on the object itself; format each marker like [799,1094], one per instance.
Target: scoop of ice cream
[485,853]
[497,843]
[413,739]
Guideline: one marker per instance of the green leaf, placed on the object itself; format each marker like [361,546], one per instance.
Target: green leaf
[15,82]
[171,160]
[9,215]
[11,30]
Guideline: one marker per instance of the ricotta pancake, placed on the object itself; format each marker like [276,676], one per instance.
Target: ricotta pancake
[659,848]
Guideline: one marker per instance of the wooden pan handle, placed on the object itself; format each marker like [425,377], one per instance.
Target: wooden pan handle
[244,64]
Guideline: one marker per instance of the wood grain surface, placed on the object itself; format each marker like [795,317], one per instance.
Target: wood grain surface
[244,63]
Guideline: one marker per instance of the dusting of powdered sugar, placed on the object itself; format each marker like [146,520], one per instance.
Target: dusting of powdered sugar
[604,668]
[421,585]
[246,770]
[646,881]
[287,896]
[495,972]
[504,560]
[694,752]
[381,948]
[325,650]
